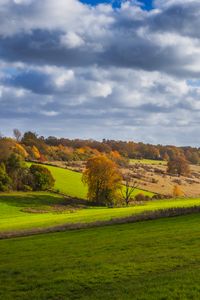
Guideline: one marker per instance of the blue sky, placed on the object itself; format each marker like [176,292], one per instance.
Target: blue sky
[146,4]
[75,70]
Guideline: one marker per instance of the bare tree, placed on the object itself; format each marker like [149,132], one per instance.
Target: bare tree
[130,184]
[17,134]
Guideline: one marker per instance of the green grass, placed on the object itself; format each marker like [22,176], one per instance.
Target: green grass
[70,183]
[151,260]
[14,215]
[148,161]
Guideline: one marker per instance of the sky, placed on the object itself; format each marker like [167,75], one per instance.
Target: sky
[124,70]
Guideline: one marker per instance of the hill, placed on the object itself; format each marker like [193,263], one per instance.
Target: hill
[69,182]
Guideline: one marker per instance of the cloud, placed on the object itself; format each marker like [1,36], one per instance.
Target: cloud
[101,71]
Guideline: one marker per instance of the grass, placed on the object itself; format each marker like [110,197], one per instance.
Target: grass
[151,260]
[148,161]
[16,210]
[69,182]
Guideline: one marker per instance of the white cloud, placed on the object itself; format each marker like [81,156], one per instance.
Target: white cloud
[50,113]
[72,40]
[124,73]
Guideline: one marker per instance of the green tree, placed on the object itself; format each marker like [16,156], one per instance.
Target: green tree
[5,180]
[42,178]
[17,170]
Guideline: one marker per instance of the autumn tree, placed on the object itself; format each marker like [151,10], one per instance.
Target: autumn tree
[178,166]
[166,156]
[177,191]
[130,184]
[103,179]
[35,152]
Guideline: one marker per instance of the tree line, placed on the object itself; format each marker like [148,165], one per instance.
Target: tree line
[63,149]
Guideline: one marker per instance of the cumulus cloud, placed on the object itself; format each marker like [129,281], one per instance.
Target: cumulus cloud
[97,71]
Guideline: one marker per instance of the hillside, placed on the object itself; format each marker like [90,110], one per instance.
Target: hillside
[70,183]
[152,175]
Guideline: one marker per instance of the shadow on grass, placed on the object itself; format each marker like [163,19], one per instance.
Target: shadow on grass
[25,200]
[35,200]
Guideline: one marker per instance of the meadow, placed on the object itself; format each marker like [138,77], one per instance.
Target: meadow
[20,211]
[151,260]
[70,183]
[148,162]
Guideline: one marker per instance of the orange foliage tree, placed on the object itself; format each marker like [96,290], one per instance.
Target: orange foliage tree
[178,166]
[35,152]
[177,191]
[103,179]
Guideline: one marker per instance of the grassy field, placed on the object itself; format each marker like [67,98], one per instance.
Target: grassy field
[148,161]
[148,260]
[38,210]
[70,183]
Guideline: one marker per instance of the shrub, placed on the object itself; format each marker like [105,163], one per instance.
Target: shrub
[140,197]
[42,178]
[177,191]
[27,188]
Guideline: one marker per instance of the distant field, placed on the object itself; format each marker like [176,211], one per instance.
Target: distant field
[40,210]
[70,183]
[145,261]
[148,161]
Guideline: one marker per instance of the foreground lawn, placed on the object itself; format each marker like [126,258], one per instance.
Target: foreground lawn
[38,210]
[148,260]
[69,182]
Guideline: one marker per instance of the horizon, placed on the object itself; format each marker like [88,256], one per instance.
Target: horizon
[99,140]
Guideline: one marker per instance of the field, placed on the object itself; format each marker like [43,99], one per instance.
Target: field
[148,162]
[149,260]
[153,176]
[70,183]
[40,210]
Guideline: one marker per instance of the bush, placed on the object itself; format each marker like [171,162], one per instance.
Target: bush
[141,197]
[157,197]
[42,178]
[27,188]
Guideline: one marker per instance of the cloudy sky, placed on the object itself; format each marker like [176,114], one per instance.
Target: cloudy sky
[101,69]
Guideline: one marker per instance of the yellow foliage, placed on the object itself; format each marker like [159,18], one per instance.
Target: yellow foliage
[103,179]
[36,152]
[20,150]
[177,191]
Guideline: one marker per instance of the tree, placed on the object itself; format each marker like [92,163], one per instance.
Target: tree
[128,188]
[165,156]
[5,180]
[178,166]
[103,179]
[36,153]
[6,148]
[177,191]
[17,134]
[16,167]
[14,162]
[42,178]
